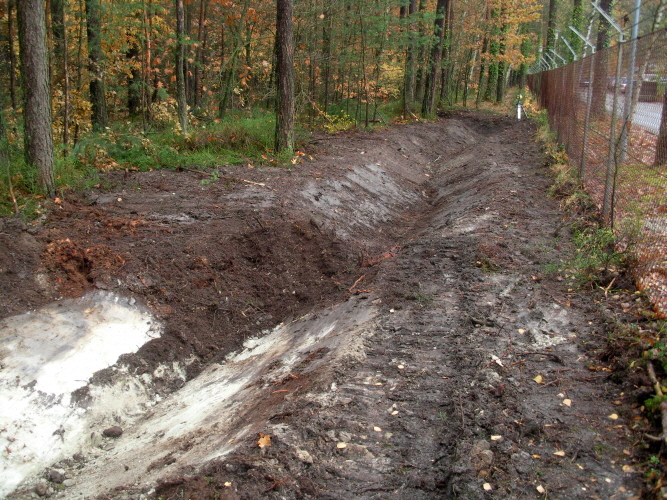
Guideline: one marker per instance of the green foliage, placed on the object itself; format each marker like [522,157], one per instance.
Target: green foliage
[238,138]
[594,255]
[658,350]
[18,183]
[653,404]
[338,121]
[242,137]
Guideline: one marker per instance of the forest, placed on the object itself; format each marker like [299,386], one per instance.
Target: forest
[144,84]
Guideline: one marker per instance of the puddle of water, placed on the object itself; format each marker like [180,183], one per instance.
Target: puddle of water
[47,354]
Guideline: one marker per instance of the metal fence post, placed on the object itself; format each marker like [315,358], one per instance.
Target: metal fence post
[587,122]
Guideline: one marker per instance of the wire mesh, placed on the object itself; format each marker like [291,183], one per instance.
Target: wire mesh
[608,111]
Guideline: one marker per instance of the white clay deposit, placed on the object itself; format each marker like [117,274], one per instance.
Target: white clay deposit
[47,354]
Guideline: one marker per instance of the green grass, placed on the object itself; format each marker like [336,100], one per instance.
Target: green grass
[594,255]
[243,137]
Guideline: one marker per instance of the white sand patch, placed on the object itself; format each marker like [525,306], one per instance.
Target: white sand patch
[210,415]
[47,354]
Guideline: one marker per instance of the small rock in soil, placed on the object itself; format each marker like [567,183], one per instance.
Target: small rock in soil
[41,488]
[57,475]
[113,432]
[304,456]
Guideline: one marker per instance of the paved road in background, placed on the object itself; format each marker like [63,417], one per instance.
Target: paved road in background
[647,114]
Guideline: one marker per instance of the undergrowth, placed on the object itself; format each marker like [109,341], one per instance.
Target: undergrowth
[635,336]
[243,137]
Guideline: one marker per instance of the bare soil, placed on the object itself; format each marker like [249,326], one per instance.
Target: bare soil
[483,373]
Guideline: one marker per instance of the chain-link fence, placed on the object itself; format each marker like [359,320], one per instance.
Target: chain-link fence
[609,112]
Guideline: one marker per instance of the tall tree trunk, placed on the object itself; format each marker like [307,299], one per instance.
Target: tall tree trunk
[327,35]
[502,65]
[428,105]
[37,101]
[58,28]
[228,75]
[61,75]
[551,26]
[201,45]
[661,145]
[98,99]
[147,61]
[180,67]
[410,59]
[577,21]
[494,50]
[12,54]
[285,70]
[448,66]
[482,70]
[423,55]
[133,82]
[523,68]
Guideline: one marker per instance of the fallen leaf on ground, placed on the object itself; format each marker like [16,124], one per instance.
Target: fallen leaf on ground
[341,445]
[496,438]
[613,416]
[487,487]
[540,489]
[628,468]
[538,379]
[559,453]
[264,440]
[567,402]
[377,429]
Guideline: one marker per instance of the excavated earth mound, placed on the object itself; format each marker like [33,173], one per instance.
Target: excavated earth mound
[376,322]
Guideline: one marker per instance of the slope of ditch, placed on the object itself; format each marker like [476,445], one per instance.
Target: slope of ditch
[421,350]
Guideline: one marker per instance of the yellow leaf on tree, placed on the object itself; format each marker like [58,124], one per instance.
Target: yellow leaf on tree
[264,440]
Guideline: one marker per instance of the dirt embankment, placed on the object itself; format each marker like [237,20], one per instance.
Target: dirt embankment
[438,358]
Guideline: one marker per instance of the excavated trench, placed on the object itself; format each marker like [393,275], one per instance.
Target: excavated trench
[353,329]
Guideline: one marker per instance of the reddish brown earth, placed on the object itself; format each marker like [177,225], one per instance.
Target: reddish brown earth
[446,231]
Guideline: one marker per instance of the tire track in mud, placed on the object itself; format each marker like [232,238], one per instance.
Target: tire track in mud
[431,393]
[444,403]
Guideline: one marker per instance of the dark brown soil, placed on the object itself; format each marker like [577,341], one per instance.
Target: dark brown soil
[458,265]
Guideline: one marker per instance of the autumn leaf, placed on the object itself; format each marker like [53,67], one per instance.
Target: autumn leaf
[264,440]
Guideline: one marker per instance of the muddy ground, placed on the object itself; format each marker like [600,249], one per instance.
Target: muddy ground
[476,369]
